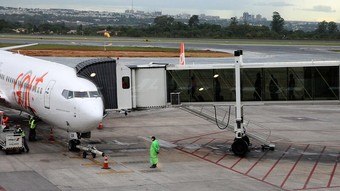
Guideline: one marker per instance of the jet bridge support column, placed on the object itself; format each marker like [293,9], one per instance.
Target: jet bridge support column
[241,141]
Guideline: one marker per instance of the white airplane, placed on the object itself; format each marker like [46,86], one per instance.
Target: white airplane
[50,91]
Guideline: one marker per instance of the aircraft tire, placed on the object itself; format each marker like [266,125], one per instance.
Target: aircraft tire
[239,147]
[246,139]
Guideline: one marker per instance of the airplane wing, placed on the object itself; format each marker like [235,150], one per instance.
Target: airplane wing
[18,46]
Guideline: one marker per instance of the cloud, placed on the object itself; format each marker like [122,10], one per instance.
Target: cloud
[274,4]
[321,8]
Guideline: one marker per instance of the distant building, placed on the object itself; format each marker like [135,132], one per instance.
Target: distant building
[72,32]
[183,16]
[258,17]
[129,11]
[19,30]
[246,17]
[157,13]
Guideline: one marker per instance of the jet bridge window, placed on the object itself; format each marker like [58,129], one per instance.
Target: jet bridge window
[125,82]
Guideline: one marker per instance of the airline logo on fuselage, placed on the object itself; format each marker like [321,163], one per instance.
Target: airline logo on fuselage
[22,87]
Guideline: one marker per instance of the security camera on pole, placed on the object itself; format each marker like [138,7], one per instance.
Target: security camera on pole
[241,141]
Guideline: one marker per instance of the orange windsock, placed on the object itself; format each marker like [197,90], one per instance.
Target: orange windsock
[181,54]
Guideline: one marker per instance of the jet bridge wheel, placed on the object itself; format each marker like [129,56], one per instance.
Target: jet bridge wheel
[84,154]
[94,155]
[240,147]
[72,145]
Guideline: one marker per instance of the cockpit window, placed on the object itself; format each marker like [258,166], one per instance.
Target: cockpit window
[67,94]
[81,94]
[94,94]
[70,95]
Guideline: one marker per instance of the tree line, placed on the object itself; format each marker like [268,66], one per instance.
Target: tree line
[167,26]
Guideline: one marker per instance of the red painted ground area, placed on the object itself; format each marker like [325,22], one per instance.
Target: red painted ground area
[266,166]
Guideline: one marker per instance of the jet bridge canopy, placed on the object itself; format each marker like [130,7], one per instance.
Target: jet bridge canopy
[102,72]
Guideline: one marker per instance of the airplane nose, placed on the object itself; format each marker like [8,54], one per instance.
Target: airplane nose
[91,114]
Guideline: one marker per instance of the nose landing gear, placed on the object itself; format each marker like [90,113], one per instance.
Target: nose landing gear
[73,142]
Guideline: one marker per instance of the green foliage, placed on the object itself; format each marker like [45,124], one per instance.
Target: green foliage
[277,23]
[233,22]
[322,27]
[193,21]
[167,26]
[332,27]
[327,30]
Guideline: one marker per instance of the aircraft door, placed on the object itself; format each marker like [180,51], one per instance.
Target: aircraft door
[47,94]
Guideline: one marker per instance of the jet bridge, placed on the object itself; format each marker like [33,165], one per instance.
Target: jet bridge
[149,85]
[125,87]
[101,72]
[144,86]
[152,85]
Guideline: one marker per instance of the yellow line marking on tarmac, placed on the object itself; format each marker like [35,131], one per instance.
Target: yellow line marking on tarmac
[151,170]
[96,163]
[111,171]
[89,164]
[75,157]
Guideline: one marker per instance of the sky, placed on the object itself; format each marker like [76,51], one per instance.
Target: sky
[297,10]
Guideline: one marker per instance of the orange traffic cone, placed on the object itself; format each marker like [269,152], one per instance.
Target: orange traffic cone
[100,126]
[106,163]
[51,136]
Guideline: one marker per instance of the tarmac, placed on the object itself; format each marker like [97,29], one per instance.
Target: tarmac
[194,155]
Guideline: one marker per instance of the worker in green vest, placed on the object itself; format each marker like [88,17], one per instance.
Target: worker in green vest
[22,133]
[154,151]
[32,124]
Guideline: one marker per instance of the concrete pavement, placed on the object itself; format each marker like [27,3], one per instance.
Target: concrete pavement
[306,155]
